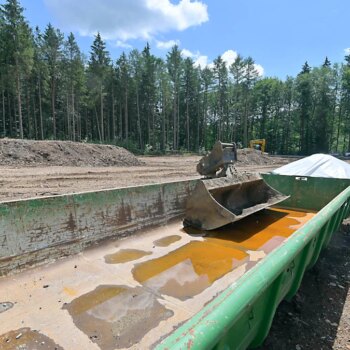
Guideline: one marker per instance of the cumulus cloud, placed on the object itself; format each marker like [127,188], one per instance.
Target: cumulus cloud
[165,45]
[347,51]
[199,60]
[128,19]
[228,57]
[260,69]
[123,45]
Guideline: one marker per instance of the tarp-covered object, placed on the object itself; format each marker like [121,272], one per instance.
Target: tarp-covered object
[317,165]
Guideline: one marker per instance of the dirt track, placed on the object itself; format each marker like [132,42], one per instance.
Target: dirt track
[27,182]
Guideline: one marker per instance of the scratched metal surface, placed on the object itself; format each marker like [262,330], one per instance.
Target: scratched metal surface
[36,231]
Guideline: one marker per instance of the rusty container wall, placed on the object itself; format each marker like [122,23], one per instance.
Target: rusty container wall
[37,230]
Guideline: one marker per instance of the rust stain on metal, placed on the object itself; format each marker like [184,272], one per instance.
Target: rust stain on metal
[125,255]
[166,241]
[71,225]
[124,214]
[117,316]
[25,338]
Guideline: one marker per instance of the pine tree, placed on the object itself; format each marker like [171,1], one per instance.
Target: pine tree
[18,49]
[99,68]
[174,65]
[75,83]
[52,51]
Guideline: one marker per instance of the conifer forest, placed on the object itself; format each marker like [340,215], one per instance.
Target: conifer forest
[49,89]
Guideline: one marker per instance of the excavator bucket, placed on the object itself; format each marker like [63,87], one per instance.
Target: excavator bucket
[218,202]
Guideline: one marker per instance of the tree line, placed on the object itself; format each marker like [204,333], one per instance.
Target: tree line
[50,90]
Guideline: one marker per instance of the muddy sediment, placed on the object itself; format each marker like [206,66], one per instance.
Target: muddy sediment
[27,339]
[110,315]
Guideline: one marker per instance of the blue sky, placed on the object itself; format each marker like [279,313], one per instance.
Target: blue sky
[280,35]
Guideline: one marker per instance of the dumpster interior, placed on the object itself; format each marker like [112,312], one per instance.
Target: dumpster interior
[130,293]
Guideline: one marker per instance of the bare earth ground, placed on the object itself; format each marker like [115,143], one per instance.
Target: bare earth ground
[317,318]
[25,182]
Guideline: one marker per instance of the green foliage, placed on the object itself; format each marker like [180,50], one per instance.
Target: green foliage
[153,105]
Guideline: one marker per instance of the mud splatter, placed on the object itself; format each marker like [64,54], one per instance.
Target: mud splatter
[27,339]
[125,255]
[117,316]
[5,305]
[166,241]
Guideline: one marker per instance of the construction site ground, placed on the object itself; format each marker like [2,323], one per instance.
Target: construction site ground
[317,318]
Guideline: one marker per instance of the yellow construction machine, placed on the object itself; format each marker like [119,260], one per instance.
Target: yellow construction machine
[259,144]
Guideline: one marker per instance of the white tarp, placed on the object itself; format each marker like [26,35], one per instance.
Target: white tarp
[317,165]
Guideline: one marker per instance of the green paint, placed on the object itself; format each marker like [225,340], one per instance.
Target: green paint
[241,316]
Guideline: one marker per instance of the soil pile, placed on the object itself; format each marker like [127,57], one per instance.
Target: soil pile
[248,156]
[15,152]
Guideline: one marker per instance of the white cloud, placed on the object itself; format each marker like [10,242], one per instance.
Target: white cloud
[167,44]
[347,51]
[187,53]
[128,19]
[123,44]
[260,69]
[229,57]
[199,60]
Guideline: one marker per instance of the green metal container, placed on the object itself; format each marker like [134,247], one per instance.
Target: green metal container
[241,316]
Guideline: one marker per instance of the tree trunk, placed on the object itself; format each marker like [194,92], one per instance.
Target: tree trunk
[126,119]
[53,108]
[73,115]
[3,110]
[41,112]
[102,121]
[19,102]
[187,127]
[138,118]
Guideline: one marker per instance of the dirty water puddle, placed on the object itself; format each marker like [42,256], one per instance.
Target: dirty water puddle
[27,339]
[125,255]
[166,241]
[117,316]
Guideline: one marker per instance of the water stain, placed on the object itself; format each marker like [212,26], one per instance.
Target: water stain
[125,255]
[27,339]
[117,316]
[5,305]
[188,270]
[70,291]
[166,241]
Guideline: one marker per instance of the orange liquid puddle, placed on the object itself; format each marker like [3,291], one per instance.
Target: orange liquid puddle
[257,231]
[193,267]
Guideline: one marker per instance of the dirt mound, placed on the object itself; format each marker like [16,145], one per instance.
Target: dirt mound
[248,156]
[15,152]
